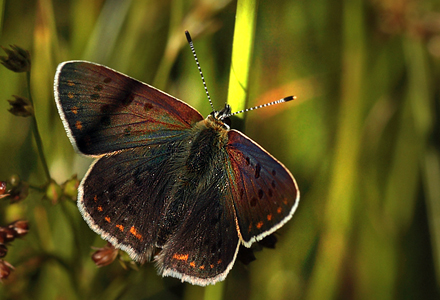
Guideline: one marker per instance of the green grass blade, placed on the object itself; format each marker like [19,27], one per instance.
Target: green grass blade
[244,33]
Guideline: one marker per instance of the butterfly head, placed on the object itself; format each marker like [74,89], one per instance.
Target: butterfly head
[221,117]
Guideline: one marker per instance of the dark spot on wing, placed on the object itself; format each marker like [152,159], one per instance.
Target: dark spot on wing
[94,96]
[257,170]
[270,193]
[127,131]
[105,120]
[126,199]
[111,188]
[148,106]
[127,100]
[106,108]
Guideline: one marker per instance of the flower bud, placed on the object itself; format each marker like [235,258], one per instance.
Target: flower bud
[70,188]
[2,187]
[18,59]
[14,180]
[21,107]
[19,190]
[53,192]
[20,227]
[7,234]
[105,256]
[5,269]
[3,250]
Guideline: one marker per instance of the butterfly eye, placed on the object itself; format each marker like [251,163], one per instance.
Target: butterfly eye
[227,121]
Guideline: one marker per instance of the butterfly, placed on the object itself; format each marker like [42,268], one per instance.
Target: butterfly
[165,178]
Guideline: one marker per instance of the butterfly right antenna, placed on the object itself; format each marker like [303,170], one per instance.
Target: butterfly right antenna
[188,37]
[285,99]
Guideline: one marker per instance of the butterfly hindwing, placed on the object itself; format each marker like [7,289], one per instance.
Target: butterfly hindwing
[204,247]
[123,197]
[266,193]
[105,111]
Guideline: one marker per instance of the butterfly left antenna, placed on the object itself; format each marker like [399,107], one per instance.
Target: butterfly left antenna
[190,42]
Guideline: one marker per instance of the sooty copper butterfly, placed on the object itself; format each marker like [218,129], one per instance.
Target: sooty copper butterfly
[166,178]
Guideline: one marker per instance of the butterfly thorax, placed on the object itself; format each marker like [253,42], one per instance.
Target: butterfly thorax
[209,138]
[210,135]
[213,122]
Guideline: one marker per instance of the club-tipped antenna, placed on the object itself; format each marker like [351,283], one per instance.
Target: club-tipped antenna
[285,99]
[190,42]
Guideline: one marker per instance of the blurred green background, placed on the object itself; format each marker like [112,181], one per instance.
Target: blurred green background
[362,140]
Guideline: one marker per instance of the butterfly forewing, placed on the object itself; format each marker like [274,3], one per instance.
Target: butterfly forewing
[266,194]
[105,111]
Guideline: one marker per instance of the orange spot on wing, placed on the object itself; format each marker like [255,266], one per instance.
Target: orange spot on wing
[192,264]
[250,227]
[95,198]
[259,225]
[269,217]
[75,110]
[219,261]
[78,125]
[100,208]
[180,256]
[120,227]
[107,218]
[202,267]
[70,83]
[279,210]
[70,95]
[285,201]
[134,232]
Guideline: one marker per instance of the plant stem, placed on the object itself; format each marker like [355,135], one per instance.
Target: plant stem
[36,132]
[214,292]
[2,12]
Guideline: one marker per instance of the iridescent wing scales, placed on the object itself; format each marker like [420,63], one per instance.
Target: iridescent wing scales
[266,194]
[105,111]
